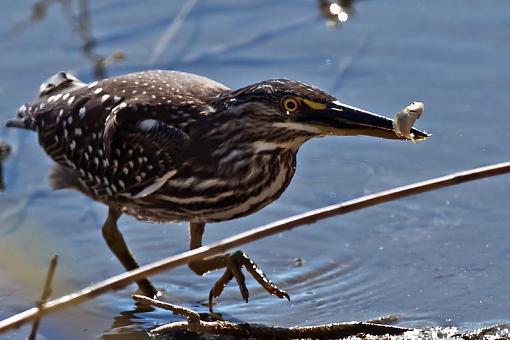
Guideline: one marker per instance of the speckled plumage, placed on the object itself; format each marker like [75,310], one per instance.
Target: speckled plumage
[151,144]
[170,146]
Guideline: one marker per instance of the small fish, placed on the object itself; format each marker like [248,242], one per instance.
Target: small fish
[404,120]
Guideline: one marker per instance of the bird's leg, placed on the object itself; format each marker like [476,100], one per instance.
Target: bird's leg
[117,245]
[233,263]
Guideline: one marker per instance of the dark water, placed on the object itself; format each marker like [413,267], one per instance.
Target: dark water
[438,259]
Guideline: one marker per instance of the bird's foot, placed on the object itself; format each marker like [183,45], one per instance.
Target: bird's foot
[145,287]
[234,263]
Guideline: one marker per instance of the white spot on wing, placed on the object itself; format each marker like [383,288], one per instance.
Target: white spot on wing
[158,183]
[148,124]
[82,112]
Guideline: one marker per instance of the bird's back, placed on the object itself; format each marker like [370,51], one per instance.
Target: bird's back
[137,142]
[71,119]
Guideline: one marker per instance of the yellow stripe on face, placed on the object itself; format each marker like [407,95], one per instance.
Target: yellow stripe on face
[313,105]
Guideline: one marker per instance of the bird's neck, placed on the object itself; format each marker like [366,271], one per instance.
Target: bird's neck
[263,146]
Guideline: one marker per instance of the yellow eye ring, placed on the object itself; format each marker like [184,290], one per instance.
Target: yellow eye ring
[290,104]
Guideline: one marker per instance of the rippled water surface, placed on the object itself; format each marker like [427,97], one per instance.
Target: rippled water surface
[437,259]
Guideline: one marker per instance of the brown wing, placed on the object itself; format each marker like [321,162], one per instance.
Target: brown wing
[122,136]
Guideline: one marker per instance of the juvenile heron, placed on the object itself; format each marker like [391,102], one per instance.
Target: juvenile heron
[166,146]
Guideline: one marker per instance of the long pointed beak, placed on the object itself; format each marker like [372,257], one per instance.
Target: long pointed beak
[346,120]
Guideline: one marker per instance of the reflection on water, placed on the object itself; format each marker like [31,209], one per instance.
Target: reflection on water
[4,151]
[39,10]
[336,11]
[128,322]
[80,22]
[99,62]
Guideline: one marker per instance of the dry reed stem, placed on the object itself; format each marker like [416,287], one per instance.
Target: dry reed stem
[45,295]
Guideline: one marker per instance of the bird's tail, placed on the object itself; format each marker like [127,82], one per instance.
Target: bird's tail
[29,115]
[25,118]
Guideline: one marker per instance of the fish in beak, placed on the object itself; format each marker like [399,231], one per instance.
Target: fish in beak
[345,120]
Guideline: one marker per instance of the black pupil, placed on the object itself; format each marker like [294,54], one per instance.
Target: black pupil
[291,105]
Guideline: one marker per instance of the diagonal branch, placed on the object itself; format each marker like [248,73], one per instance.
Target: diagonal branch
[124,279]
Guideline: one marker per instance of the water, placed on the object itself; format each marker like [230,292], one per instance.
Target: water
[438,259]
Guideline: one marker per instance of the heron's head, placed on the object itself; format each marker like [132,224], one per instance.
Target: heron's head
[287,111]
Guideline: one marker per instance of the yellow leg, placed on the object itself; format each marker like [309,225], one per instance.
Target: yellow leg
[233,264]
[117,245]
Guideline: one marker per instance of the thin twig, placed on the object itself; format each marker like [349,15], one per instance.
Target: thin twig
[124,279]
[189,314]
[172,29]
[45,295]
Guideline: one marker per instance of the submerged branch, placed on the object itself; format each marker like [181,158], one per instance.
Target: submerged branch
[189,314]
[222,327]
[124,279]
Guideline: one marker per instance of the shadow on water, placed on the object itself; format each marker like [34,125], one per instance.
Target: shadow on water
[128,322]
[137,319]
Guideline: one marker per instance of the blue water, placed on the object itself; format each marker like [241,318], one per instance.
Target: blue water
[437,259]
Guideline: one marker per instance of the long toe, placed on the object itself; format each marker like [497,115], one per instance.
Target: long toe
[234,265]
[242,259]
[217,289]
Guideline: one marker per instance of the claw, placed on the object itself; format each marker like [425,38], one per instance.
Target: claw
[259,275]
[217,289]
[234,263]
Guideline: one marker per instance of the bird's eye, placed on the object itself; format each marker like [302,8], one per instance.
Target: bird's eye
[290,104]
